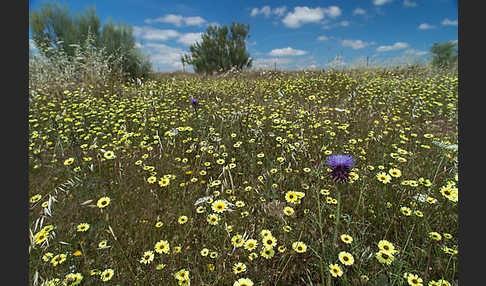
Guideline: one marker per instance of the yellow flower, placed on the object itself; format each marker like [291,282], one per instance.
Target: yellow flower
[251,244]
[40,237]
[237,240]
[435,235]
[164,182]
[291,197]
[387,246]
[182,219]
[414,280]
[395,172]
[73,279]
[269,241]
[83,227]
[219,206]
[288,211]
[239,267]
[58,259]
[109,155]
[147,257]
[35,198]
[162,246]
[384,257]
[204,252]
[335,270]
[383,177]
[299,246]
[103,202]
[69,161]
[107,274]
[346,258]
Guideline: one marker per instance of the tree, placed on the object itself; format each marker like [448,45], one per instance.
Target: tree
[444,54]
[53,29]
[220,49]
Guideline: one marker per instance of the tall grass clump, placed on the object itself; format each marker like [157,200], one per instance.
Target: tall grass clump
[89,67]
[190,180]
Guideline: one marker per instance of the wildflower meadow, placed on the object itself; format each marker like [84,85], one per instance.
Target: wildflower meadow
[333,177]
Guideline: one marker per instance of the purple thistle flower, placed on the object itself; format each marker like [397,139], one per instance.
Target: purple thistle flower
[194,102]
[341,165]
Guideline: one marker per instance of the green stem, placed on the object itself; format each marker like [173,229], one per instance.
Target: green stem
[334,238]
[322,238]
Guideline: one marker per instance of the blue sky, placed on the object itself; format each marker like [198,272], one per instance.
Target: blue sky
[292,35]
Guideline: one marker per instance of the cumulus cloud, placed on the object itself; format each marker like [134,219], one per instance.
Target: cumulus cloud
[394,47]
[322,38]
[288,51]
[304,15]
[153,34]
[150,33]
[267,11]
[280,11]
[161,54]
[425,26]
[408,3]
[178,20]
[343,23]
[354,44]
[189,38]
[447,22]
[381,2]
[359,11]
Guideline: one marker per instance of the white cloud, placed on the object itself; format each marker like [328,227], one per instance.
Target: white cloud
[161,54]
[447,22]
[354,44]
[189,38]
[394,47]
[177,20]
[254,12]
[408,3]
[359,11]
[288,51]
[333,11]
[194,21]
[381,2]
[279,11]
[343,23]
[322,38]
[338,24]
[214,24]
[267,11]
[425,26]
[303,15]
[149,33]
